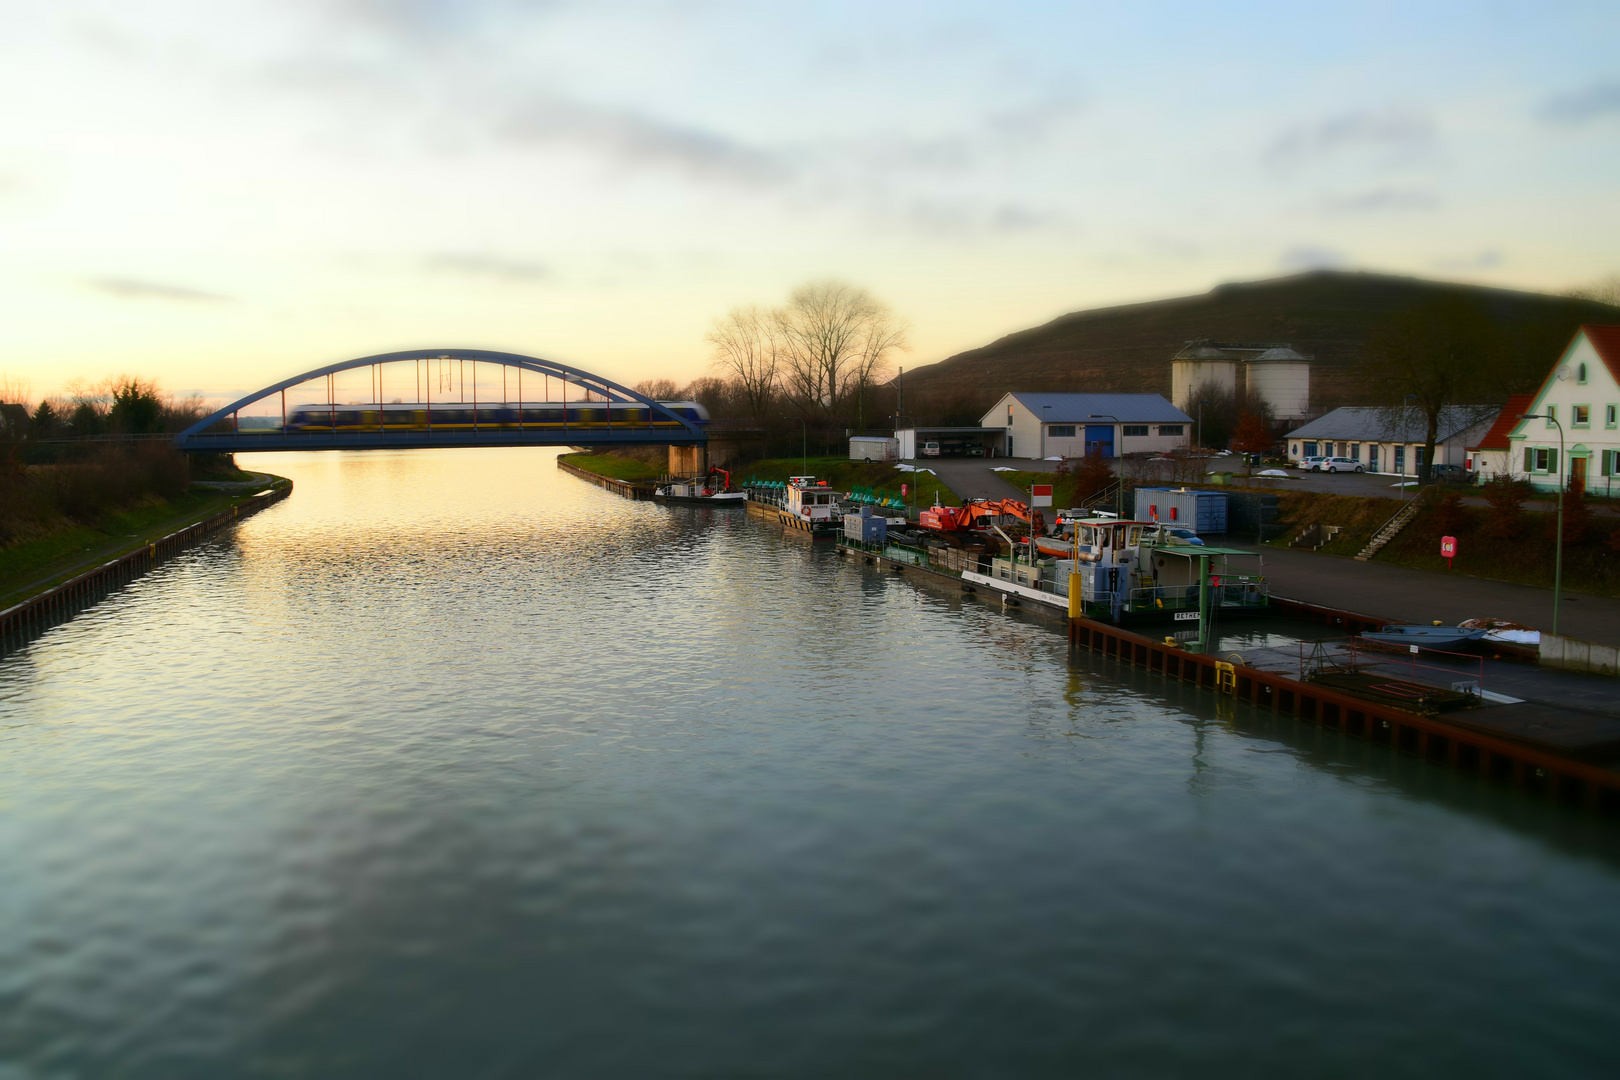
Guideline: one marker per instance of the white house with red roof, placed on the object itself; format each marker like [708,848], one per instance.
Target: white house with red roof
[1492,455]
[1581,395]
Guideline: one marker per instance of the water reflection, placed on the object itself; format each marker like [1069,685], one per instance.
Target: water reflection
[455,764]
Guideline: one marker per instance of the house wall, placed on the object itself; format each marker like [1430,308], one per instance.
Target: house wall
[1593,443]
[1025,429]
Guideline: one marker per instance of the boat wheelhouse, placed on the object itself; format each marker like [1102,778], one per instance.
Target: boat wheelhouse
[811,506]
[1139,571]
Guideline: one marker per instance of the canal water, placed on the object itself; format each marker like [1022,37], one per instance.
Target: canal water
[455,765]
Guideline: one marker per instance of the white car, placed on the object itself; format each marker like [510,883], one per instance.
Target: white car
[1309,464]
[1340,464]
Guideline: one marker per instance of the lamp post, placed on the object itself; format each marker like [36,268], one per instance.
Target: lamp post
[1201,403]
[1558,557]
[804,443]
[1119,495]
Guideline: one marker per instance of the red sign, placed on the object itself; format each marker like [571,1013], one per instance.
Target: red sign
[1448,549]
[1040,494]
[902,491]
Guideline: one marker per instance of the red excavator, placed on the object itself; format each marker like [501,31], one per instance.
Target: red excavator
[979,514]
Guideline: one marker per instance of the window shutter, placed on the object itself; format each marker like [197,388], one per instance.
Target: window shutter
[1552,461]
[1529,463]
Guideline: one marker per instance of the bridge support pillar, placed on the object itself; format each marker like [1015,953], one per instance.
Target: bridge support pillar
[688,460]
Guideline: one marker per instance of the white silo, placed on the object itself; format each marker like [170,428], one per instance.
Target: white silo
[1281,378]
[1196,366]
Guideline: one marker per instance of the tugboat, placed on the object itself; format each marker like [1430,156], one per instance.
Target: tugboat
[714,489]
[812,507]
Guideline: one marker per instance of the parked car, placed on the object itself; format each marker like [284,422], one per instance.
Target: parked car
[1338,464]
[1451,474]
[1185,534]
[1309,464]
[930,449]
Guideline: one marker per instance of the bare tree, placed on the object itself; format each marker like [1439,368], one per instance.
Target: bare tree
[748,346]
[657,389]
[1431,357]
[885,335]
[838,338]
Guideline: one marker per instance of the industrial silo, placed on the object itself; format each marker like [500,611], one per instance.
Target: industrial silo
[1282,379]
[1197,365]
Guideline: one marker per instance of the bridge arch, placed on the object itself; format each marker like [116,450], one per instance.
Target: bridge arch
[661,424]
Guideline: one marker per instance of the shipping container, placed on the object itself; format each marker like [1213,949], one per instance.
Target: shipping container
[1204,512]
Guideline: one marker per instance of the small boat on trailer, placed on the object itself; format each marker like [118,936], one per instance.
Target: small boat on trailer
[713,489]
[1413,635]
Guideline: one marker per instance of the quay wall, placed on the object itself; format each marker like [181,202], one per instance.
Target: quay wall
[1432,738]
[619,487]
[20,622]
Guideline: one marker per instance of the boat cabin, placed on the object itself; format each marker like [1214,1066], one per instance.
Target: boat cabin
[812,500]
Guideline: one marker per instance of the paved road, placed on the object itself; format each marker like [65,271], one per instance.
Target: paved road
[1405,594]
[973,478]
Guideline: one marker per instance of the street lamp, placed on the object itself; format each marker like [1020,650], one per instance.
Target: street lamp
[1558,558]
[804,443]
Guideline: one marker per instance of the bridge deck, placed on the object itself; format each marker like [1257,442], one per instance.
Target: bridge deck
[254,442]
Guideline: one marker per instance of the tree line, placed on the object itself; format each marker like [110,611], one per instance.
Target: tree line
[120,405]
[825,357]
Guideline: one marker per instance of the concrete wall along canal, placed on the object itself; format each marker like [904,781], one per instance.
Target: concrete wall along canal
[618,487]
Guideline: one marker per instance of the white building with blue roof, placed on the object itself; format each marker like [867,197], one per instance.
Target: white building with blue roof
[1072,425]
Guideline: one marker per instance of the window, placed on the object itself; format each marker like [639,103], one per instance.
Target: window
[1372,457]
[1400,460]
[1327,449]
[1137,430]
[1540,459]
[1609,415]
[1580,374]
[1417,457]
[1294,449]
[1061,431]
[1552,415]
[1171,429]
[1354,453]
[1580,415]
[1310,449]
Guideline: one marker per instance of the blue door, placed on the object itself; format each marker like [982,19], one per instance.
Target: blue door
[1100,440]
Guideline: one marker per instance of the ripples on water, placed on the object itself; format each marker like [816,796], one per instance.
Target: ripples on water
[454,765]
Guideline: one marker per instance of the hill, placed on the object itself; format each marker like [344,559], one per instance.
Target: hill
[1329,315]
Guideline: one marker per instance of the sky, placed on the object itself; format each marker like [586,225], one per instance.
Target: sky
[222,193]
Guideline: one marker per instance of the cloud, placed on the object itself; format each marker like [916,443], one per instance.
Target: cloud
[1484,260]
[1310,257]
[1592,102]
[1392,135]
[638,139]
[134,289]
[1381,200]
[478,264]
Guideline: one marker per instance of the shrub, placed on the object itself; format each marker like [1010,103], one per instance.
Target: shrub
[1506,498]
[1449,517]
[1577,514]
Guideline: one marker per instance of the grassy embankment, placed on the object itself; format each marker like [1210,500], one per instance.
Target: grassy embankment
[1525,555]
[840,474]
[844,475]
[627,469]
[29,567]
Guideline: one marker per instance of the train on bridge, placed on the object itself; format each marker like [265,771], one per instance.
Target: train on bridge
[456,416]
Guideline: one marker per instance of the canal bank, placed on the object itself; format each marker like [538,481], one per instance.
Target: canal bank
[49,604]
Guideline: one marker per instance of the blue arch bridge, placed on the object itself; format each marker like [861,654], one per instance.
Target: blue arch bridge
[437,402]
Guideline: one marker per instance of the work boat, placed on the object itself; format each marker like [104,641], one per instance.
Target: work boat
[811,506]
[1134,572]
[1139,571]
[713,489]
